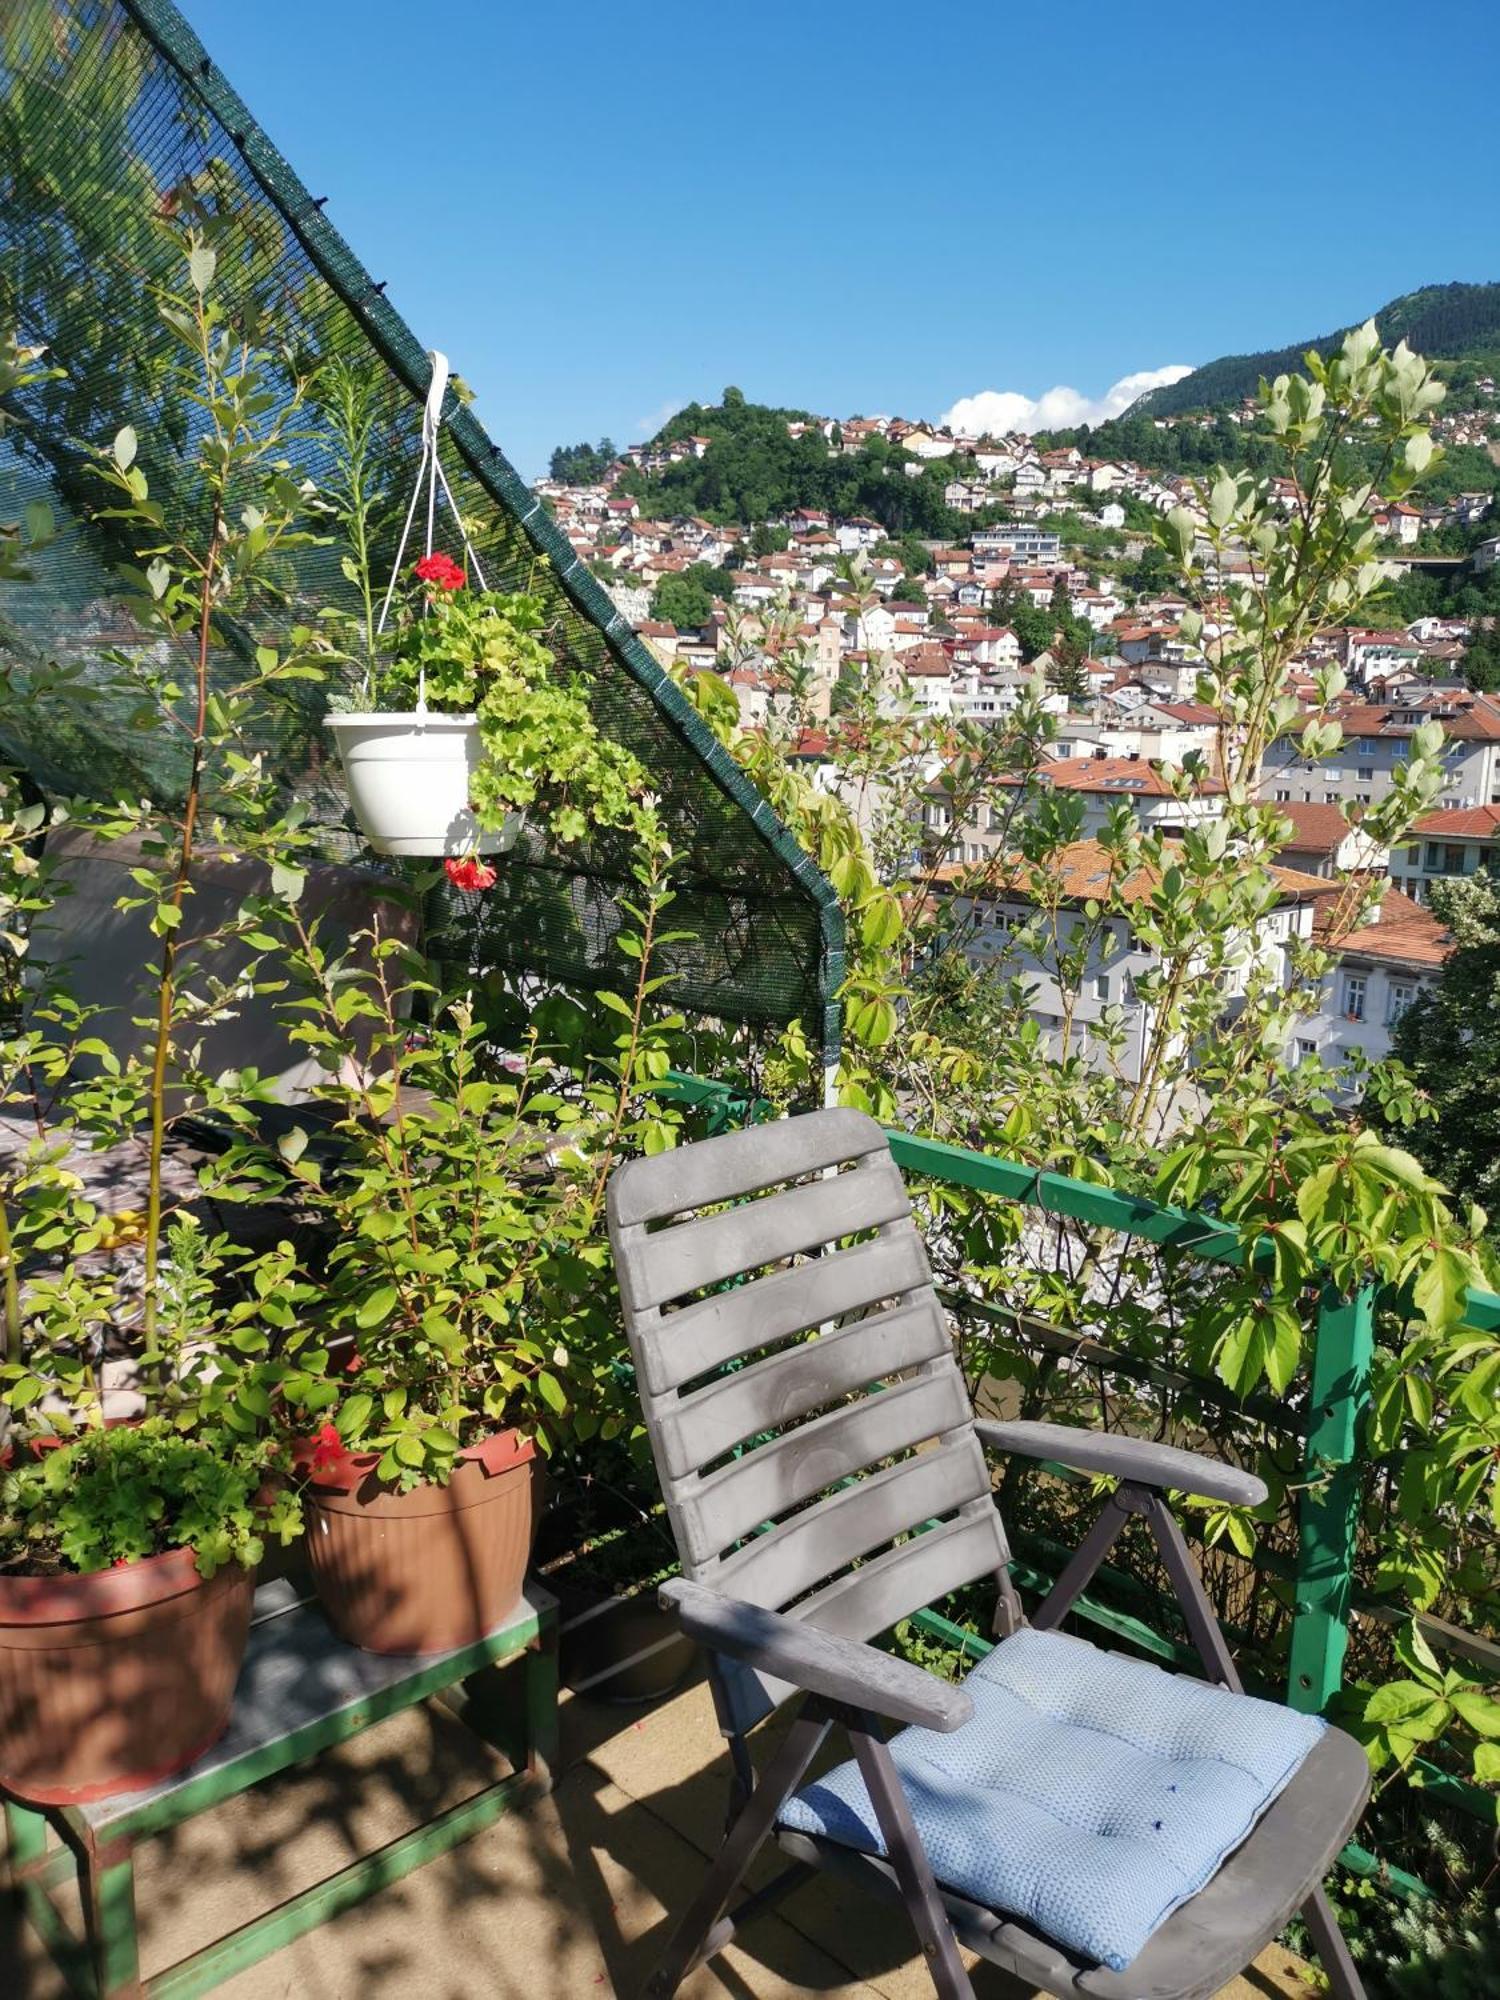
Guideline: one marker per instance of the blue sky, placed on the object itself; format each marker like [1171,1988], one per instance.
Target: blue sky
[602,211]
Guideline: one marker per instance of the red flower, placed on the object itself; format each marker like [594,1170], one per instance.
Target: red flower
[469,872]
[328,1449]
[440,570]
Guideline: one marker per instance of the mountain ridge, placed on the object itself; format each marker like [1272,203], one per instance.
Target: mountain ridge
[1447,322]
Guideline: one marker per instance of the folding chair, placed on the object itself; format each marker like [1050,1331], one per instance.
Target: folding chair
[1088,1822]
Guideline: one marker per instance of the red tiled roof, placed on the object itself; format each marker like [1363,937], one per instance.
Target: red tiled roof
[1319,829]
[1085,869]
[1404,934]
[1188,711]
[1471,823]
[1136,776]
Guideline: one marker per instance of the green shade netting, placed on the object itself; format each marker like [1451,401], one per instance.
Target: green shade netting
[117,132]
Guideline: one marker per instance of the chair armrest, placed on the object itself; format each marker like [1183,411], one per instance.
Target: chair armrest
[1135,1459]
[842,1670]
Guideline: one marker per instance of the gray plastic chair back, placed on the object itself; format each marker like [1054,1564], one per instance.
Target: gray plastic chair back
[785,1345]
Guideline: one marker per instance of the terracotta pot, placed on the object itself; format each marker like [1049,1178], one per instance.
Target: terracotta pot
[430,1570]
[113,1681]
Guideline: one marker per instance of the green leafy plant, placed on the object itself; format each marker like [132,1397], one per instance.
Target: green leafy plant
[193,1310]
[1192,1098]
[544,752]
[468,1288]
[119,1495]
[1404,1715]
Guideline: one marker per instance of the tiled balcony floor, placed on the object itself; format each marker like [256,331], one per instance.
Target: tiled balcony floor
[566,1901]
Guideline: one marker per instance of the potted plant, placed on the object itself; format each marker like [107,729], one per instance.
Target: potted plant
[478,729]
[410,771]
[466,1323]
[463,721]
[127,1559]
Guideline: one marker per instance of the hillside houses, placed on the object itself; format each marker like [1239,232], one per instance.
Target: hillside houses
[957,634]
[1378,972]
[1451,842]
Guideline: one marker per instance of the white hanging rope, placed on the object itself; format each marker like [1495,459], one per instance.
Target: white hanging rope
[430,470]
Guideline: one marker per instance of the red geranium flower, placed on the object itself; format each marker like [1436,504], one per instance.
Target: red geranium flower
[328,1449]
[469,872]
[442,571]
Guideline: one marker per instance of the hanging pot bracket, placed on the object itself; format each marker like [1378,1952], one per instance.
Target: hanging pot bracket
[431,476]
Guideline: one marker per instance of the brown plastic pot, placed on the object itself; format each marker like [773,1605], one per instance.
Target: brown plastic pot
[430,1570]
[113,1681]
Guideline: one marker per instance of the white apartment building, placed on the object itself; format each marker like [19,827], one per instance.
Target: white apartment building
[1445,844]
[1377,737]
[998,927]
[1378,972]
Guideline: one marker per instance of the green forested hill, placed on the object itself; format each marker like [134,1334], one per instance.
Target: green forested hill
[1444,322]
[755,470]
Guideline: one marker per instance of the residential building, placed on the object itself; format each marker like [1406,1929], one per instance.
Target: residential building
[1020,541]
[1445,844]
[1377,737]
[1378,971]
[1324,843]
[996,920]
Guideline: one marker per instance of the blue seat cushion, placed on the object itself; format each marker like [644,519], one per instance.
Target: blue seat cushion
[1089,1794]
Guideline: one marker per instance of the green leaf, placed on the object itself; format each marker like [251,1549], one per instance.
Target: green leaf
[1411,1705]
[354,1415]
[1266,1341]
[1480,1711]
[124,447]
[1442,1287]
[39,523]
[287,881]
[552,1392]
[377,1307]
[880,922]
[202,264]
[1487,1763]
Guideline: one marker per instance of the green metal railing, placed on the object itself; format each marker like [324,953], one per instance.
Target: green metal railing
[1331,1431]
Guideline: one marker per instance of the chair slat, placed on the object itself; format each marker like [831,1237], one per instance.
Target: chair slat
[876,1596]
[697,1429]
[920,1572]
[689,1255]
[791,1558]
[800,1463]
[738,1163]
[672,1349]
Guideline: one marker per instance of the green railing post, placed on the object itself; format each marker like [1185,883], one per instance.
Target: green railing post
[1328,1517]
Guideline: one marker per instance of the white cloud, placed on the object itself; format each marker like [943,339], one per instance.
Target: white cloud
[994,411]
[649,426]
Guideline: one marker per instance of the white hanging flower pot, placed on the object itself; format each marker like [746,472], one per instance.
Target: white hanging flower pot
[410,779]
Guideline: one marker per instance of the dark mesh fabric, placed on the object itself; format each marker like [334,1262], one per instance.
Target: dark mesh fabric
[117,132]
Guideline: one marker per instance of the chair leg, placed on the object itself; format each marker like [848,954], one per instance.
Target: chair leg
[1081,1567]
[904,1848]
[741,1845]
[1187,1587]
[1344,1982]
